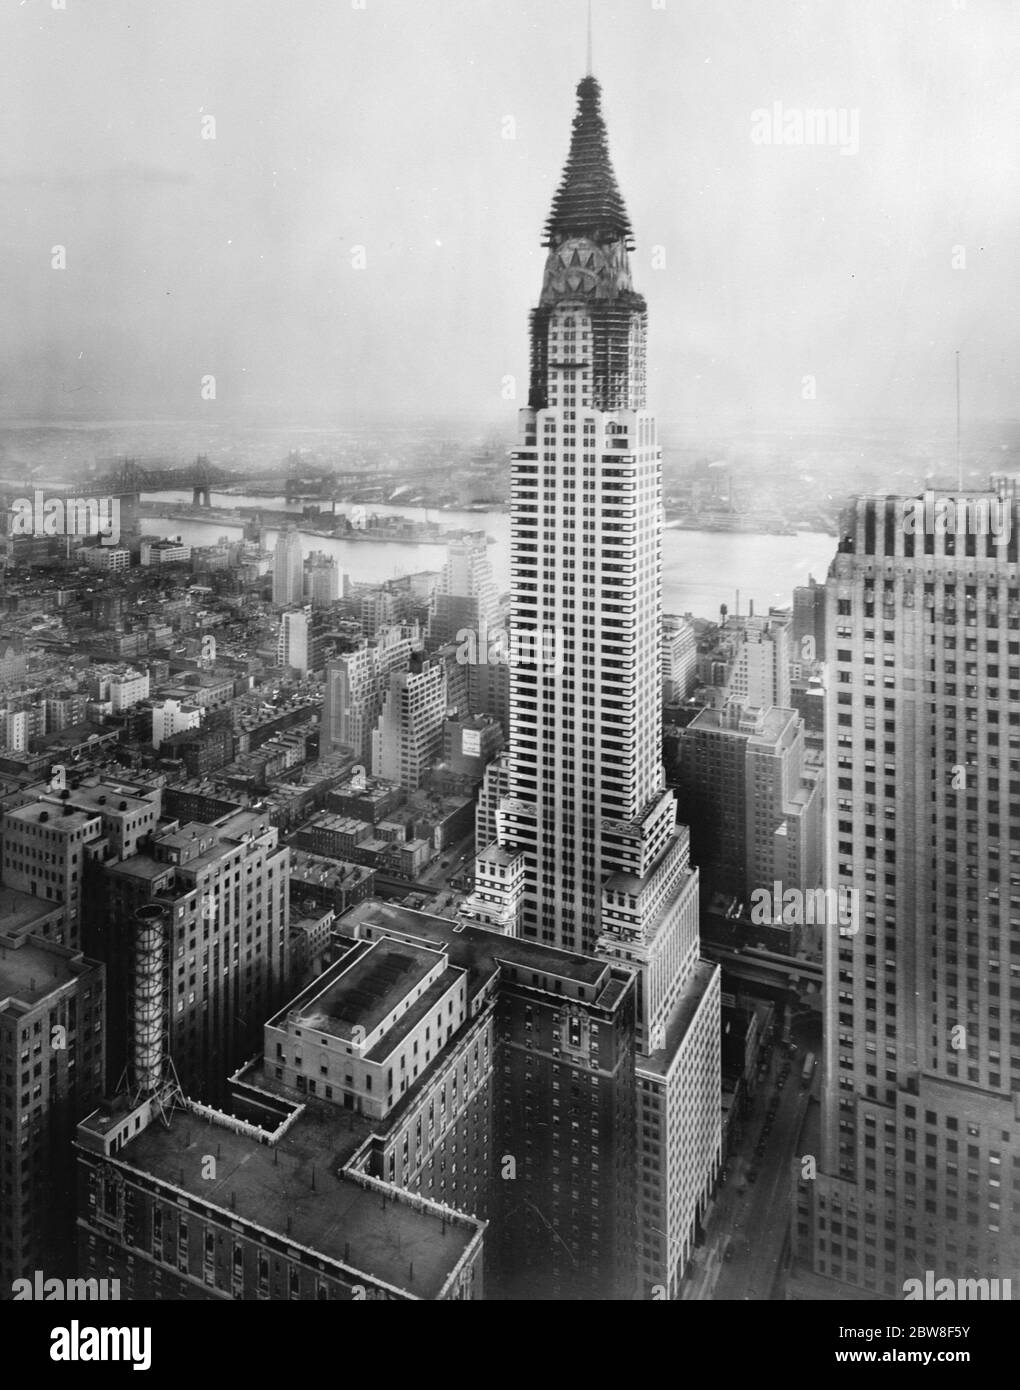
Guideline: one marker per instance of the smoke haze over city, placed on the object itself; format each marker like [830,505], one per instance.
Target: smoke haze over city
[419,130]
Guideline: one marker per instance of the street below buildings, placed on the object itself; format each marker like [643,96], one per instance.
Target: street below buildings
[453,862]
[751,1217]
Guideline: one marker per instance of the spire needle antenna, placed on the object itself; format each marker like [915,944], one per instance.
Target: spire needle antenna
[959,455]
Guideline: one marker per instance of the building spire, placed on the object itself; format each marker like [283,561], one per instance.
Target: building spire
[588,202]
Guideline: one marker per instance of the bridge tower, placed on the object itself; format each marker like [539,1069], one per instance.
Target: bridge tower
[201,493]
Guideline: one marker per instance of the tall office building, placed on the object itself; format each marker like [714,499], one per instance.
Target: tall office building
[224,958]
[586,788]
[288,569]
[292,642]
[467,621]
[54,840]
[679,659]
[301,639]
[753,794]
[356,684]
[750,662]
[45,850]
[590,855]
[465,596]
[379,610]
[409,736]
[52,1007]
[808,629]
[919,1157]
[325,580]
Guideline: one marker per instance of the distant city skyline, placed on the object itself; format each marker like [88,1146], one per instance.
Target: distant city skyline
[388,128]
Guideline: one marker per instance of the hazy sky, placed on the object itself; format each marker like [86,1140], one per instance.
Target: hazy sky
[383,127]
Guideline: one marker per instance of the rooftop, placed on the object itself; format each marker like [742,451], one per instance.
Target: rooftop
[328,821]
[56,814]
[30,970]
[244,822]
[362,992]
[140,866]
[496,854]
[405,1025]
[661,1061]
[22,913]
[293,1190]
[108,797]
[769,725]
[480,952]
[186,837]
[314,869]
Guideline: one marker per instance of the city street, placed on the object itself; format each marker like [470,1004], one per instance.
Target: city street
[753,1217]
[457,858]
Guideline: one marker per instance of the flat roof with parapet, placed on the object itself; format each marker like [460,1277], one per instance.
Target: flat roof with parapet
[633,885]
[113,795]
[363,991]
[294,1191]
[21,913]
[30,970]
[481,952]
[187,835]
[243,822]
[140,866]
[372,846]
[697,986]
[55,816]
[405,1025]
[496,854]
[773,722]
[218,845]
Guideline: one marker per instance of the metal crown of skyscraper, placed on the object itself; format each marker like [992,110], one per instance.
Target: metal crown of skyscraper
[588,202]
[588,236]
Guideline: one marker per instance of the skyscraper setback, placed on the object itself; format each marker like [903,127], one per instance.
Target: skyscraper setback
[589,855]
[587,793]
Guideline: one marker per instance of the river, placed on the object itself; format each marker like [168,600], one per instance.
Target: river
[700,569]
